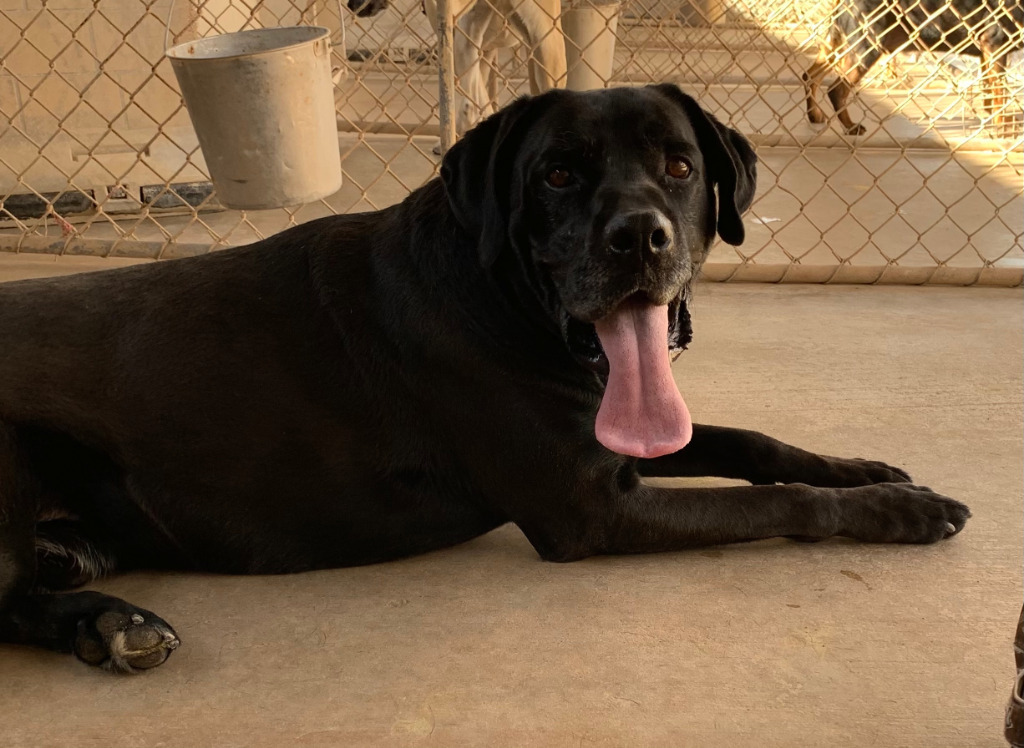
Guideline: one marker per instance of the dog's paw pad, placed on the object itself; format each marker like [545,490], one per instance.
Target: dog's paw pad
[125,642]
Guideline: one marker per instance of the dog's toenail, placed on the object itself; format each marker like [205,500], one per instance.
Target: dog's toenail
[136,618]
[172,643]
[950,527]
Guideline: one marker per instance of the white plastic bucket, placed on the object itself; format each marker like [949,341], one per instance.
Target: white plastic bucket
[262,104]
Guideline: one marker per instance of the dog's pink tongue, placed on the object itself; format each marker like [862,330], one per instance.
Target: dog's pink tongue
[642,413]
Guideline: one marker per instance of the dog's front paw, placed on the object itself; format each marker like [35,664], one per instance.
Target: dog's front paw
[125,639]
[900,513]
[839,472]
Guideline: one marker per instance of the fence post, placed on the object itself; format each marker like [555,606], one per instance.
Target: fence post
[446,73]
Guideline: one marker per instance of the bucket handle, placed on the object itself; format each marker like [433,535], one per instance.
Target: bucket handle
[336,75]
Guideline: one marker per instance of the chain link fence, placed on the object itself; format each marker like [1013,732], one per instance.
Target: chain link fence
[911,171]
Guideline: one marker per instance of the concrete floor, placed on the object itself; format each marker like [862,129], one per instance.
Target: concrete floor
[767,644]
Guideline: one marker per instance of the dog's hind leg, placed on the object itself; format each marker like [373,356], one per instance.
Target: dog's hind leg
[472,99]
[993,82]
[847,80]
[856,43]
[759,459]
[20,493]
[812,80]
[67,558]
[540,22]
[815,74]
[99,629]
[500,34]
[489,66]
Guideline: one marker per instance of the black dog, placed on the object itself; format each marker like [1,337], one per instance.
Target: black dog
[493,349]
[863,30]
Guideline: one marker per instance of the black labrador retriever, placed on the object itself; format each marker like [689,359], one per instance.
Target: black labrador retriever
[493,349]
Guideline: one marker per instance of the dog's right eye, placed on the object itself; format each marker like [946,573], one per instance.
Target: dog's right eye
[678,167]
[559,178]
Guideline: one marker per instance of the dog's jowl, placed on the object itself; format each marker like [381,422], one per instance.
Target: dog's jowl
[493,349]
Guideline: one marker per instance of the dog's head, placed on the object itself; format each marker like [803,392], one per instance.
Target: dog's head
[609,202]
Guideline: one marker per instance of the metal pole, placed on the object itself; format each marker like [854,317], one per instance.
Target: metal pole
[446,73]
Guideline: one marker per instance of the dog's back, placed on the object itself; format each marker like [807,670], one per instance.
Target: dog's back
[861,27]
[123,318]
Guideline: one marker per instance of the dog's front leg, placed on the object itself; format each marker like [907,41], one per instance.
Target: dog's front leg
[751,456]
[646,518]
[653,519]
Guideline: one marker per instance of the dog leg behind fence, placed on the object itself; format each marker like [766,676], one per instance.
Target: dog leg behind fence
[472,99]
[542,23]
[489,68]
[812,81]
[993,83]
[850,75]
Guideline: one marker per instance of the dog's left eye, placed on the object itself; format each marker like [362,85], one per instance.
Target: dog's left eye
[677,167]
[559,177]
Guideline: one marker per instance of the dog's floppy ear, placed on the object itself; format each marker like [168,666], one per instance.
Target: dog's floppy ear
[477,173]
[731,162]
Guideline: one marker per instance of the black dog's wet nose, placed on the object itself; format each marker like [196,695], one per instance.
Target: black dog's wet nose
[639,233]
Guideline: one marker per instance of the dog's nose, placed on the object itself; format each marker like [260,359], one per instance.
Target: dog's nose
[647,232]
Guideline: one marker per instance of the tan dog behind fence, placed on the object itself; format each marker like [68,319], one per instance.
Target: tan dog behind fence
[485,26]
[864,30]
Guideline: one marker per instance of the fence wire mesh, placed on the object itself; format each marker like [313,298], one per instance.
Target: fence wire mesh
[890,132]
